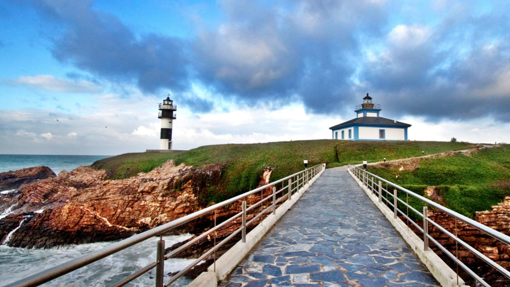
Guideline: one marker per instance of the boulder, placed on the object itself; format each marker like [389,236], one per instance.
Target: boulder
[16,179]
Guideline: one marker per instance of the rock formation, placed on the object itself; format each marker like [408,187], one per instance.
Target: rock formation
[497,219]
[16,179]
[81,206]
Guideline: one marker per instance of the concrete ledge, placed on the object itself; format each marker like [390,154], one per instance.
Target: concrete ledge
[205,279]
[226,263]
[437,267]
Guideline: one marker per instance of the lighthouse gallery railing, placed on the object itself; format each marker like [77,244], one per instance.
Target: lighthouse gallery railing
[375,184]
[281,190]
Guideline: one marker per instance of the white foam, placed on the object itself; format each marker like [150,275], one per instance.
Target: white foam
[20,263]
[12,232]
[8,191]
[6,212]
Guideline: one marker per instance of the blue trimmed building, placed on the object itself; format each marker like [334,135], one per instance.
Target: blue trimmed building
[369,126]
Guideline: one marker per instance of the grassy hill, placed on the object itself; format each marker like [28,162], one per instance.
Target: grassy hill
[243,164]
[466,183]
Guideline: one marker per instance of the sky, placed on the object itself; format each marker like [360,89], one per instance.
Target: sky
[86,77]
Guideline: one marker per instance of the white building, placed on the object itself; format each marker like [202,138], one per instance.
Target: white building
[369,126]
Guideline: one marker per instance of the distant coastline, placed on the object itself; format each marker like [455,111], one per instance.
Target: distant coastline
[58,163]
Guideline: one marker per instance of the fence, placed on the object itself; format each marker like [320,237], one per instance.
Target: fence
[375,184]
[282,190]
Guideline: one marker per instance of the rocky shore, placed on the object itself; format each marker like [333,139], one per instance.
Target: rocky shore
[81,206]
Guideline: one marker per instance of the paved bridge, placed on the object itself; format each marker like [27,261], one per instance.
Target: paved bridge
[333,236]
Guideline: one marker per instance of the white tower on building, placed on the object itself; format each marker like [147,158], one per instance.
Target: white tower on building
[166,114]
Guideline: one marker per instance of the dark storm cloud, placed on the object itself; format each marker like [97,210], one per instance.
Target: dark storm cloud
[325,54]
[101,44]
[308,54]
[195,104]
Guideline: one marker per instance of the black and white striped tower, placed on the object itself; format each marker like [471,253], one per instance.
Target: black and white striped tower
[166,114]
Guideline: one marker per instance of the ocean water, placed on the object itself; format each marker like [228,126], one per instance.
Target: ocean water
[19,263]
[57,163]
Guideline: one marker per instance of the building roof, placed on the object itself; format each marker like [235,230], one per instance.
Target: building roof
[370,121]
[367,97]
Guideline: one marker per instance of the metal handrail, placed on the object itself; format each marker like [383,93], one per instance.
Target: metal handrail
[363,175]
[68,267]
[376,106]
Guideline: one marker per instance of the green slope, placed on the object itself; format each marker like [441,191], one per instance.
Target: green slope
[466,183]
[243,164]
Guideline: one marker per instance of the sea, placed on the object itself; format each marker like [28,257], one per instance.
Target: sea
[57,163]
[18,263]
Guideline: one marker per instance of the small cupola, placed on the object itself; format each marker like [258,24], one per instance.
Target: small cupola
[367,102]
[167,101]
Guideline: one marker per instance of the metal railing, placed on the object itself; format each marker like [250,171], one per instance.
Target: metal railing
[281,190]
[375,184]
[376,106]
[172,106]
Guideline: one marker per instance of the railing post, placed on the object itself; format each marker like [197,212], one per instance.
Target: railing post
[244,222]
[380,191]
[160,268]
[274,199]
[290,189]
[425,229]
[395,203]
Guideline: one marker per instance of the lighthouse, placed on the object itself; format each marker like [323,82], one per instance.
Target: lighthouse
[166,114]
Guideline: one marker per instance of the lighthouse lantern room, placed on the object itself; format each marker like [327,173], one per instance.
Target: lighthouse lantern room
[166,114]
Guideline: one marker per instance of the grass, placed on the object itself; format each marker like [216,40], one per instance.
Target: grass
[466,183]
[352,152]
[243,164]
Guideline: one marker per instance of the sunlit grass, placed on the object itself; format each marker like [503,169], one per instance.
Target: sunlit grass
[243,164]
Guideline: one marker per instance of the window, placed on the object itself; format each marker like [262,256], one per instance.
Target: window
[336,135]
[350,134]
[343,137]
[381,134]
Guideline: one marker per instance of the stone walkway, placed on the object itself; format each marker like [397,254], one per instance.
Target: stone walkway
[333,236]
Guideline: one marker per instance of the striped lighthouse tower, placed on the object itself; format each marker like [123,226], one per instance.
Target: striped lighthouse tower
[166,114]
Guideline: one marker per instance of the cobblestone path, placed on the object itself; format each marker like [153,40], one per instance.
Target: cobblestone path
[333,236]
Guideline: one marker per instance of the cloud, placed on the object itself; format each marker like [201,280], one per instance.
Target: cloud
[196,104]
[47,136]
[50,83]
[151,131]
[101,44]
[306,54]
[323,54]
[454,70]
[24,133]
